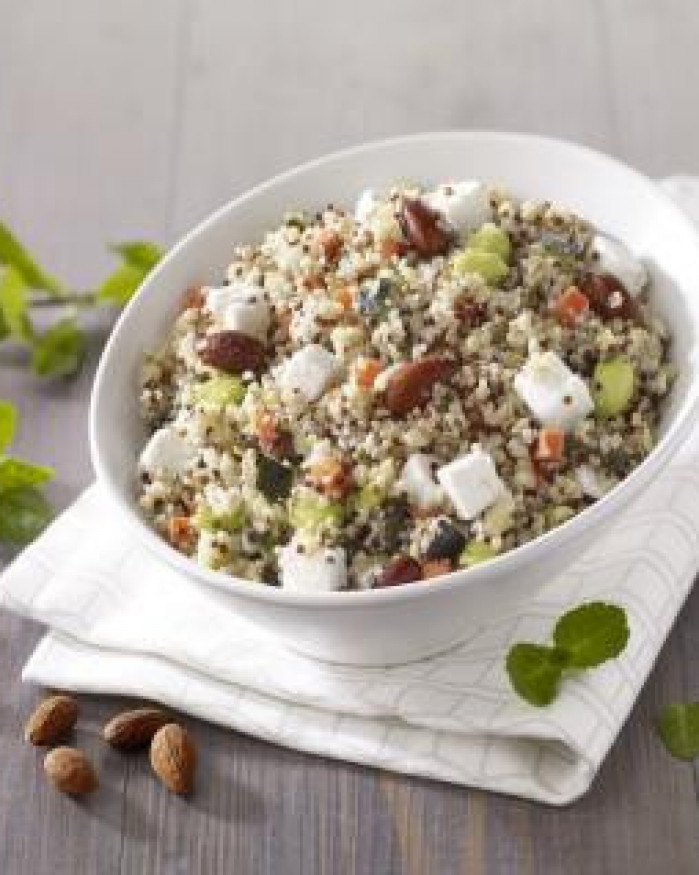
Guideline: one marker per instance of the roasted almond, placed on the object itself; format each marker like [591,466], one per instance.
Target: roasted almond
[233,352]
[411,385]
[133,729]
[173,758]
[607,296]
[70,771]
[52,720]
[403,569]
[423,227]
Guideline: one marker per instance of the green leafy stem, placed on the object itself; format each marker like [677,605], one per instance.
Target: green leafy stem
[58,350]
[24,511]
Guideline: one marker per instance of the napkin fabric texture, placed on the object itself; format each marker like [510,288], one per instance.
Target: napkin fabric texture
[122,622]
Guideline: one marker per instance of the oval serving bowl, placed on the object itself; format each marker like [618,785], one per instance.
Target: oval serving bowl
[418,619]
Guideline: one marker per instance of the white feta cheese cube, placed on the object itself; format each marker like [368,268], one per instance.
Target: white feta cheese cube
[321,451]
[322,570]
[465,205]
[365,206]
[553,393]
[239,307]
[166,451]
[472,483]
[417,479]
[310,370]
[613,257]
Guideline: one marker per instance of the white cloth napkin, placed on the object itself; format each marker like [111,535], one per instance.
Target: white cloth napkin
[120,622]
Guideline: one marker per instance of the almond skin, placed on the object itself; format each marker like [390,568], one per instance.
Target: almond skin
[70,771]
[131,730]
[403,569]
[233,352]
[411,385]
[607,296]
[173,758]
[422,228]
[52,720]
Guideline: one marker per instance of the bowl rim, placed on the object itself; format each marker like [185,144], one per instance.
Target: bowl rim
[503,564]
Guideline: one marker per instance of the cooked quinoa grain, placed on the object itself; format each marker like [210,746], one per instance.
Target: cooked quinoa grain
[372,399]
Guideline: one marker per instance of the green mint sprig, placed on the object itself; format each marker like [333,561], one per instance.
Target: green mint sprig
[24,511]
[678,728]
[583,638]
[58,351]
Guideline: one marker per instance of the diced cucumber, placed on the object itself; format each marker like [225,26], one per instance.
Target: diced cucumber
[488,265]
[205,519]
[220,390]
[490,238]
[311,512]
[475,552]
[370,497]
[613,386]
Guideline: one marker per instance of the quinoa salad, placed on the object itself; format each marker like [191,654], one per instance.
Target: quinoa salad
[381,395]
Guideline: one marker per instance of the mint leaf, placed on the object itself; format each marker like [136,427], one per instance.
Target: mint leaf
[678,727]
[8,421]
[13,305]
[24,513]
[139,254]
[59,351]
[139,258]
[16,472]
[121,285]
[13,254]
[592,633]
[535,672]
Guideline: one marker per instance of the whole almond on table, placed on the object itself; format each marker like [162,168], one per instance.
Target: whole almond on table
[173,758]
[52,720]
[131,730]
[70,771]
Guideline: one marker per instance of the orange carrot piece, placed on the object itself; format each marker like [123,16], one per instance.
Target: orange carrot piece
[571,306]
[550,444]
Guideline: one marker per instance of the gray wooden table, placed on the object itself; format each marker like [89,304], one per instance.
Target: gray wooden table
[137,118]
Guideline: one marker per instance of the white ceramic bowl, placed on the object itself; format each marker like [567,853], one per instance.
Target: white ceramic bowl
[418,619]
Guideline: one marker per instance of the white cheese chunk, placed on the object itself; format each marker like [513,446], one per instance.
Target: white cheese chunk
[323,570]
[239,307]
[310,370]
[613,257]
[366,204]
[554,394]
[417,479]
[465,205]
[166,451]
[472,483]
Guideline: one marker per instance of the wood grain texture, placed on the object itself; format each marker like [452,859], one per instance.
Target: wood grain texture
[130,118]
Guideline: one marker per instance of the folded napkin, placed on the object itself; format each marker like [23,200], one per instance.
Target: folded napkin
[121,622]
